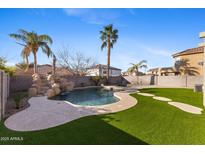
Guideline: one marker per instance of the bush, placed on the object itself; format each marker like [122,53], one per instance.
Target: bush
[97,79]
[17,97]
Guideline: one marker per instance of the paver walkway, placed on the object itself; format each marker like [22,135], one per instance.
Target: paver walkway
[145,94]
[182,106]
[43,113]
[162,99]
[186,107]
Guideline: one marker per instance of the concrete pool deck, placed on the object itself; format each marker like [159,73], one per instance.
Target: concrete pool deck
[44,113]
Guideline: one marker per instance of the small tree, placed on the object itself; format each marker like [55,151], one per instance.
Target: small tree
[8,69]
[135,68]
[77,63]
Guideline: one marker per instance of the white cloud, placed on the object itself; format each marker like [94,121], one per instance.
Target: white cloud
[131,11]
[95,16]
[155,51]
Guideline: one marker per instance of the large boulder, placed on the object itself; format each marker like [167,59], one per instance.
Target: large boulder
[50,93]
[55,85]
[32,92]
[56,90]
[50,77]
[69,86]
[35,77]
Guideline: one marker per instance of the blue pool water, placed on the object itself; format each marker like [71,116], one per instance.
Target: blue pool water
[88,96]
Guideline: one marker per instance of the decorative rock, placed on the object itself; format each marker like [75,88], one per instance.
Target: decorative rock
[32,92]
[56,90]
[35,77]
[69,86]
[55,85]
[50,93]
[50,77]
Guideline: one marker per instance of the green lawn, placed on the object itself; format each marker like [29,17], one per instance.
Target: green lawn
[149,122]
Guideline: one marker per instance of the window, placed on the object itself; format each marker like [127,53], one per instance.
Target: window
[104,72]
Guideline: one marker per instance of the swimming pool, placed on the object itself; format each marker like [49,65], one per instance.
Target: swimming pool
[88,96]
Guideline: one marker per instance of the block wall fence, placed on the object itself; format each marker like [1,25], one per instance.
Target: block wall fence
[4,92]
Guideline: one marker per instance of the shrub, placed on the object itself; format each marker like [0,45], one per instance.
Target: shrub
[97,79]
[18,97]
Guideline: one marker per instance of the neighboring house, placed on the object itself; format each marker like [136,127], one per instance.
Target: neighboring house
[195,57]
[44,70]
[163,71]
[101,70]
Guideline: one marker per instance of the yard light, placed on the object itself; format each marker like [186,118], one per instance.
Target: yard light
[202,44]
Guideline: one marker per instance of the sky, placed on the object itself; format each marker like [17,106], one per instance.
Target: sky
[144,34]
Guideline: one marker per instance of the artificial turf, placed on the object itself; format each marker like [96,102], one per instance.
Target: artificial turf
[149,122]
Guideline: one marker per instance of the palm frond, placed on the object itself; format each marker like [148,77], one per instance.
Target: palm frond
[46,38]
[18,37]
[23,32]
[45,48]
[104,44]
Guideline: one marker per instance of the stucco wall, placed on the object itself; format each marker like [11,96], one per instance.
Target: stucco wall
[194,59]
[20,83]
[169,81]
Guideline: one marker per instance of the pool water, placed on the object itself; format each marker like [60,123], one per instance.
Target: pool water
[88,96]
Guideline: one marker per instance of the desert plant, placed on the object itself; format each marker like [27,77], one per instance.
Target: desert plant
[17,97]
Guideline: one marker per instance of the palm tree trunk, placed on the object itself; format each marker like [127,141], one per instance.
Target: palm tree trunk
[27,64]
[136,73]
[35,62]
[54,66]
[108,61]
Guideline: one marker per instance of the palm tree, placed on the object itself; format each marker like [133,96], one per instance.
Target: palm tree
[135,68]
[109,37]
[183,66]
[31,43]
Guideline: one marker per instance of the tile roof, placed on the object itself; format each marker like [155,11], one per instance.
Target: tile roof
[189,51]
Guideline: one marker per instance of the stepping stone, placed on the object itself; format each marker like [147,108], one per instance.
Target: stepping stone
[145,94]
[186,107]
[162,99]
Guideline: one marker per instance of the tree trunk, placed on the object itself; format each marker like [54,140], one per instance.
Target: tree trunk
[27,64]
[136,73]
[108,60]
[54,66]
[35,63]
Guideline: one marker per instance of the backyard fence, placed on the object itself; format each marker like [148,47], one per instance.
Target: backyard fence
[20,83]
[24,82]
[166,81]
[4,92]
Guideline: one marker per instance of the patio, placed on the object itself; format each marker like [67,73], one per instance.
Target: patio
[44,113]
